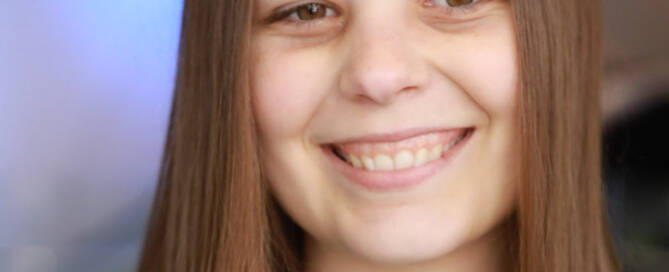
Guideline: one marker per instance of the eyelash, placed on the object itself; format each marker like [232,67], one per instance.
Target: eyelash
[463,10]
[282,15]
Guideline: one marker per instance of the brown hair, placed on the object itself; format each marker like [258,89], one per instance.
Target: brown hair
[212,211]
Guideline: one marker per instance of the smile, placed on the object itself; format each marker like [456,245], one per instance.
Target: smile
[379,164]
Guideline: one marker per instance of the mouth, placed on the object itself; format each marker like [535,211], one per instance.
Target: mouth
[386,165]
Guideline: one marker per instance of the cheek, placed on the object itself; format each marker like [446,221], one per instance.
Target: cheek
[287,89]
[483,65]
[494,71]
[495,87]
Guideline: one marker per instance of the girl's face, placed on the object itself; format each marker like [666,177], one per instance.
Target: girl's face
[387,126]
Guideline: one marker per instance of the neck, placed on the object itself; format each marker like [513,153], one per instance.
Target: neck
[485,254]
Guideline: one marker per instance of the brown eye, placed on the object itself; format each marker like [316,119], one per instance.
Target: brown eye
[454,3]
[310,11]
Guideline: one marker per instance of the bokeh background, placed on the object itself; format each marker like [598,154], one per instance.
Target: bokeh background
[85,92]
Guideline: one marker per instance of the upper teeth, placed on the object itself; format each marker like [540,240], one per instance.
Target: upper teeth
[402,159]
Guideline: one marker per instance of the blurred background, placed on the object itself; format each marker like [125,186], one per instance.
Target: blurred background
[85,92]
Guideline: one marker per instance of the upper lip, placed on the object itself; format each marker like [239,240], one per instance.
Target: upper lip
[394,136]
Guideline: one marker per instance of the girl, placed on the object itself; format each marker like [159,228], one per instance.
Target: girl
[383,135]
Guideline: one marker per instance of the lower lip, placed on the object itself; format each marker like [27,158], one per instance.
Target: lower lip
[381,181]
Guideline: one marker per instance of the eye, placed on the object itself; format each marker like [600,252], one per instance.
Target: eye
[454,3]
[303,13]
[457,8]
[311,11]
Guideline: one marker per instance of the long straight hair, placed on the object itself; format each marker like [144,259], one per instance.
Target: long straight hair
[212,211]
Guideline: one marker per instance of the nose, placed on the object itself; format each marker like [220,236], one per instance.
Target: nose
[380,65]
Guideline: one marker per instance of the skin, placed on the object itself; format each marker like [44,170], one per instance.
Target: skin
[383,66]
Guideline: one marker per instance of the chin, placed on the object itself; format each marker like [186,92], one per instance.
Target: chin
[405,236]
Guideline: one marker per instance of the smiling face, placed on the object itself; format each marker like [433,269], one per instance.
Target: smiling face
[387,126]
